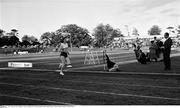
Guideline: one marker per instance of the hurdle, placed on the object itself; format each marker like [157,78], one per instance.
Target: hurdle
[104,59]
[91,57]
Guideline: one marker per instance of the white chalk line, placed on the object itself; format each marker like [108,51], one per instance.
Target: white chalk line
[75,70]
[100,65]
[79,61]
[96,92]
[102,83]
[119,63]
[86,67]
[35,99]
[109,77]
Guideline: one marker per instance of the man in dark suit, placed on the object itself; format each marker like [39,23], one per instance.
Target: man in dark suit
[167,51]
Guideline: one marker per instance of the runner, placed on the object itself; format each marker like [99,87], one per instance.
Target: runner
[64,56]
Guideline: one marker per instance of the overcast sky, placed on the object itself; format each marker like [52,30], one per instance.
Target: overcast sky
[34,17]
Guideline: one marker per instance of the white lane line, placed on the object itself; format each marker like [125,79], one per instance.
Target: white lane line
[109,77]
[35,99]
[101,65]
[172,73]
[136,85]
[96,92]
[91,66]
[96,66]
[75,70]
[102,83]
[30,69]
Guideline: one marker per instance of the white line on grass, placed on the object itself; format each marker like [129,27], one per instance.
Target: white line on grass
[35,99]
[96,92]
[103,83]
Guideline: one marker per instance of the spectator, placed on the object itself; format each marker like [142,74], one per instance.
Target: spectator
[152,51]
[167,51]
[159,50]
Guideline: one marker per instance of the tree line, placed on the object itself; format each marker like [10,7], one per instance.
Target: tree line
[12,39]
[103,35]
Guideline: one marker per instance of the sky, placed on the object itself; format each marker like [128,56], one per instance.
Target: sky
[35,17]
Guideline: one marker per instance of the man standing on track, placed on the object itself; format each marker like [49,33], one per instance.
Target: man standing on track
[64,56]
[167,51]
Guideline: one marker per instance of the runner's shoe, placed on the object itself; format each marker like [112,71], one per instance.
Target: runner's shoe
[61,73]
[69,66]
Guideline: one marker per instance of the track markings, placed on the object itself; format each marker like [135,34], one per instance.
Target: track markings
[35,99]
[78,70]
[95,92]
[102,83]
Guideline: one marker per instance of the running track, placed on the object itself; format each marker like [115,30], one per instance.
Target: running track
[42,85]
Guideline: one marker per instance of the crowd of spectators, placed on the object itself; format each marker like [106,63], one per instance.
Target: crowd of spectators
[143,42]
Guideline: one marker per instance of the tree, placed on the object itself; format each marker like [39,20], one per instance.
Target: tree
[100,35]
[46,38]
[104,34]
[25,43]
[9,39]
[14,41]
[78,36]
[1,33]
[171,29]
[154,30]
[109,29]
[14,32]
[58,36]
[135,32]
[178,29]
[116,33]
[33,40]
[1,42]
[29,40]
[5,41]
[25,38]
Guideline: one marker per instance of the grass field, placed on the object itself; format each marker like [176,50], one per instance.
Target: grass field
[135,84]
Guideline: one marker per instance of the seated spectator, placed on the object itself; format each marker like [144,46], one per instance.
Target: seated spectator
[111,65]
[140,56]
[152,51]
